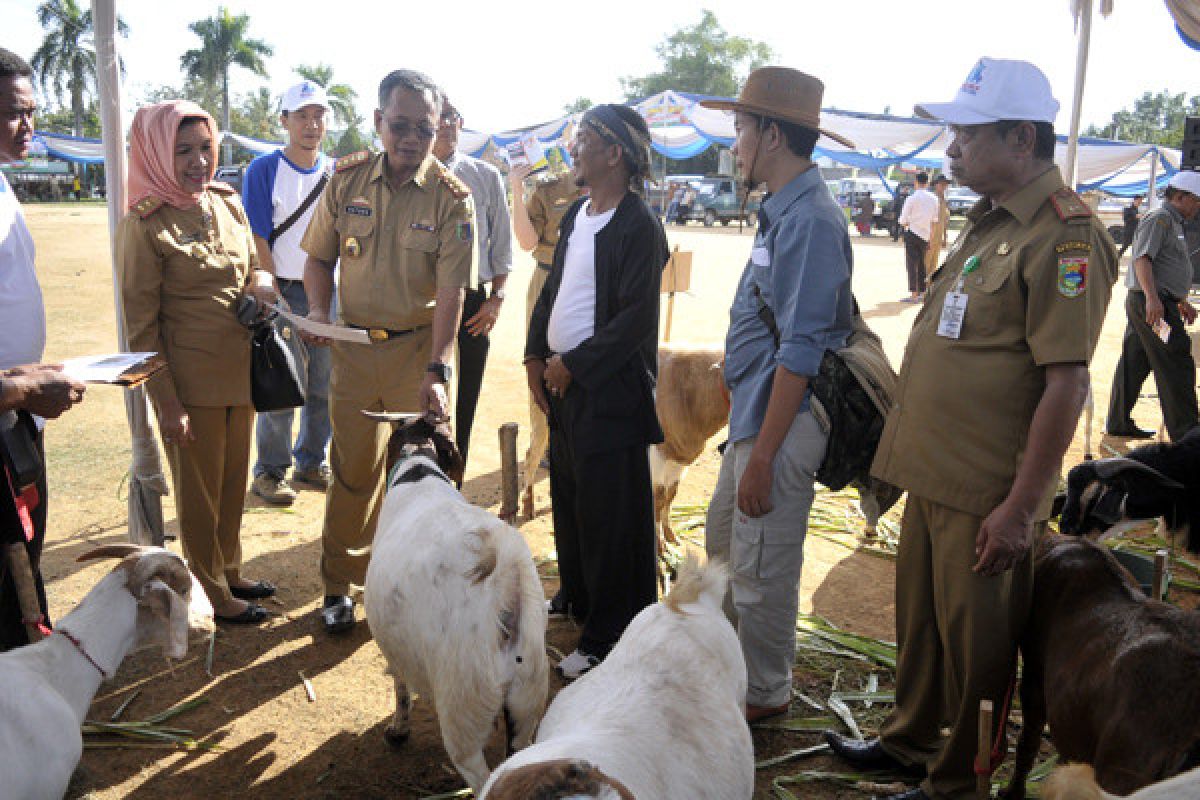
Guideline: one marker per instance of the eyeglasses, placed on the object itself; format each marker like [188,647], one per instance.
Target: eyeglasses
[401,129]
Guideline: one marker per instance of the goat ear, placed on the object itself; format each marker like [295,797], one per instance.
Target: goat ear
[111,551]
[1134,474]
[450,460]
[156,597]
[171,617]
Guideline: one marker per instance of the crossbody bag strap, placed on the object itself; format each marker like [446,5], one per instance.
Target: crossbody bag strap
[299,212]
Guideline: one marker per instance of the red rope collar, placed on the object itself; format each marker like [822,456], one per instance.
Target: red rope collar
[82,652]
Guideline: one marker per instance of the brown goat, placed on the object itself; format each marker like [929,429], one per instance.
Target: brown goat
[1113,672]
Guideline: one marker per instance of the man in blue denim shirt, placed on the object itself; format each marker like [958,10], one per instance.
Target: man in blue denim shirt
[799,274]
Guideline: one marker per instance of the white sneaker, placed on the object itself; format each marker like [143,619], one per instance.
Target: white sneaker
[576,664]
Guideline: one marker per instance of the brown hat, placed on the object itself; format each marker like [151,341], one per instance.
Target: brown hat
[781,93]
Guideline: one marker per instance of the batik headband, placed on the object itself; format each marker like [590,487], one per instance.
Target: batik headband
[608,124]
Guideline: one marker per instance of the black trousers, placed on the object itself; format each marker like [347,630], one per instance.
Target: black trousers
[1143,352]
[603,510]
[915,249]
[12,627]
[472,358]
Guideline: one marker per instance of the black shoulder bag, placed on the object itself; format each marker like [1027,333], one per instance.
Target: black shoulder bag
[274,378]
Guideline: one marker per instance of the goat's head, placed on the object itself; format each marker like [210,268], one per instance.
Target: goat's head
[416,434]
[561,779]
[170,601]
[1102,493]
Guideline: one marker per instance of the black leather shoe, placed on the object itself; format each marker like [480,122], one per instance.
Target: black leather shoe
[255,591]
[337,613]
[912,794]
[1132,432]
[869,754]
[252,614]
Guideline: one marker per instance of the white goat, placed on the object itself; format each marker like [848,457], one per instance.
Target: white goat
[455,604]
[47,687]
[660,718]
[1078,782]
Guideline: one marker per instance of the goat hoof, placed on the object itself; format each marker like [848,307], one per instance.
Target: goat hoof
[396,738]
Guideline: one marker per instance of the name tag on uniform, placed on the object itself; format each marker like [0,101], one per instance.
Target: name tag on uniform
[760,257]
[358,211]
[423,226]
[954,310]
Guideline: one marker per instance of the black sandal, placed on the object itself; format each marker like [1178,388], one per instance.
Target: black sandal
[256,591]
[252,615]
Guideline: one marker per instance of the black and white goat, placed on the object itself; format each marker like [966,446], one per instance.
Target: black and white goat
[47,687]
[1155,480]
[454,602]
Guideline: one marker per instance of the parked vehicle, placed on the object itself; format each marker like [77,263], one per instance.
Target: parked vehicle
[720,200]
[232,176]
[959,200]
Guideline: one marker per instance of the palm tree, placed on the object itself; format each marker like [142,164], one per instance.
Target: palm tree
[66,61]
[341,96]
[223,44]
[259,117]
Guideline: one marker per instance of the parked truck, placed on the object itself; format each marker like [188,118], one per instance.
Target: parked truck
[720,200]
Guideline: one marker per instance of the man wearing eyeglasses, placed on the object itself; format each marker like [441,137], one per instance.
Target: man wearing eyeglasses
[402,226]
[493,232]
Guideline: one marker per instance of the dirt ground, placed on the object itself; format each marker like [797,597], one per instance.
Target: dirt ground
[271,740]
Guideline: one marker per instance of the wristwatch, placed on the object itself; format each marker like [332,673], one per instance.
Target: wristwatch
[497,293]
[442,371]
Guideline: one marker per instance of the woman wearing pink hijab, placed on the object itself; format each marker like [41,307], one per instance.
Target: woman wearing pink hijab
[186,259]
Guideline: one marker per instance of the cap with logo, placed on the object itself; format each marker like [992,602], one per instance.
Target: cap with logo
[1186,180]
[997,89]
[304,94]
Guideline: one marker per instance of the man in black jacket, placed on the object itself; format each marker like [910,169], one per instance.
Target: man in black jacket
[591,358]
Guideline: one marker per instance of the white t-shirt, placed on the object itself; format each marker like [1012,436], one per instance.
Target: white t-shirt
[22,316]
[573,318]
[272,189]
[920,212]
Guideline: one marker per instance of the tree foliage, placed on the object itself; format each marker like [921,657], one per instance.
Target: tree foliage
[703,59]
[65,63]
[257,116]
[63,121]
[577,105]
[1155,118]
[223,45]
[341,96]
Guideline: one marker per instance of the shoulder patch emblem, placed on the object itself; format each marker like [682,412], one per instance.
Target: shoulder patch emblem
[1069,205]
[1072,274]
[353,160]
[147,206]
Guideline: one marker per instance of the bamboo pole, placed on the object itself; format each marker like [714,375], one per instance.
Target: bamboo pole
[1160,574]
[508,472]
[983,758]
[22,577]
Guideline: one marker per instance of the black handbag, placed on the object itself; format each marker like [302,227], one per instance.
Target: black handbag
[274,378]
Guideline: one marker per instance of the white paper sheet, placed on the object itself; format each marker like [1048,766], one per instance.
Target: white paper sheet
[329,331]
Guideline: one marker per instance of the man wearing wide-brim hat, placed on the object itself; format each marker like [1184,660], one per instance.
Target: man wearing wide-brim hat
[793,302]
[992,384]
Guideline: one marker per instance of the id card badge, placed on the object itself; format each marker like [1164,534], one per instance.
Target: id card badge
[953,312]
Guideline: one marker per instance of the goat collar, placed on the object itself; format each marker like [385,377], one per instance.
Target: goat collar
[79,646]
[416,472]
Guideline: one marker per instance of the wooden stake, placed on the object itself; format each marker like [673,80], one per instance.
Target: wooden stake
[27,599]
[670,314]
[1160,575]
[508,472]
[983,758]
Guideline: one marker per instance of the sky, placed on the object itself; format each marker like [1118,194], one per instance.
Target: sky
[510,65]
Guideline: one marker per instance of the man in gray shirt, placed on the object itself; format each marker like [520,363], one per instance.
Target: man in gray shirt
[1157,310]
[494,238]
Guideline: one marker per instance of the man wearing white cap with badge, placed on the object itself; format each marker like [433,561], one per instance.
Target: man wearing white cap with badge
[1010,322]
[279,192]
[1158,283]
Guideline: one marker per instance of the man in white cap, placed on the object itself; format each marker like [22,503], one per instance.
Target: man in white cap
[1157,309]
[279,192]
[792,304]
[1010,321]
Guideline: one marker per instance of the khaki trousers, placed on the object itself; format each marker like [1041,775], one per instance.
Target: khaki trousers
[383,376]
[539,433]
[957,634]
[209,476]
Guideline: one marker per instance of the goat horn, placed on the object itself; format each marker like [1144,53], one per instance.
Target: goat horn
[111,551]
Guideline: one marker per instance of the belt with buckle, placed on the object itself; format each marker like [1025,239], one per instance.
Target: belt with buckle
[383,334]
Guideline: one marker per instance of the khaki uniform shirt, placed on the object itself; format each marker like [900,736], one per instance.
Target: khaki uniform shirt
[937,235]
[397,246]
[182,275]
[1038,296]
[547,206]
